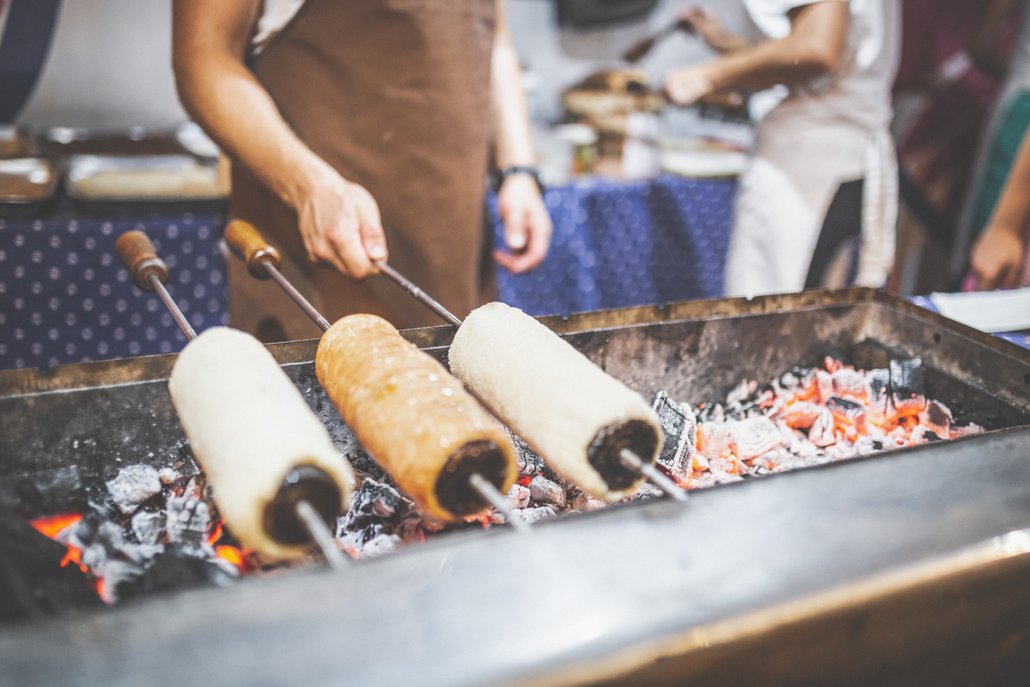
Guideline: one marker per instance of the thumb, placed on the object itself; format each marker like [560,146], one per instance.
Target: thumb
[516,232]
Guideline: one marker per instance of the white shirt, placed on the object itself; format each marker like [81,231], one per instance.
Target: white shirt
[275,15]
[859,89]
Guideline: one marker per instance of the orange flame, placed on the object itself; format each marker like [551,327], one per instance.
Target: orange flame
[53,525]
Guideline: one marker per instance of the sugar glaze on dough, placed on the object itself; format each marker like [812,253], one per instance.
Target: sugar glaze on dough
[549,393]
[405,408]
[248,426]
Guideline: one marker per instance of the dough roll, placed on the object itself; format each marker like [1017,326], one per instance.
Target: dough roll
[249,427]
[577,417]
[412,416]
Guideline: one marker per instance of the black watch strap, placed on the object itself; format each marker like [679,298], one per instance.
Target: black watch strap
[506,172]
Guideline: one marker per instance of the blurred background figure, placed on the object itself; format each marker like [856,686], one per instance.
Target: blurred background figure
[818,203]
[1000,209]
[954,59]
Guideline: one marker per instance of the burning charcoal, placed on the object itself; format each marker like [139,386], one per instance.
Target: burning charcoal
[679,425]
[411,531]
[172,570]
[938,417]
[878,383]
[848,381]
[532,515]
[362,544]
[907,384]
[846,410]
[377,500]
[148,527]
[544,491]
[188,521]
[132,486]
[713,413]
[645,492]
[715,439]
[168,476]
[824,383]
[739,394]
[821,433]
[583,501]
[800,414]
[518,496]
[529,462]
[755,436]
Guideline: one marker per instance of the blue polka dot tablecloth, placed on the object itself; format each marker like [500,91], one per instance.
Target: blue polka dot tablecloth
[65,297]
[1020,338]
[619,244]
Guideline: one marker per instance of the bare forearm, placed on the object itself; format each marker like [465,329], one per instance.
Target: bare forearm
[236,111]
[513,141]
[1013,212]
[812,49]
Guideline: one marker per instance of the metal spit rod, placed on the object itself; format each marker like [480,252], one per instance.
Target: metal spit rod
[263,261]
[149,273]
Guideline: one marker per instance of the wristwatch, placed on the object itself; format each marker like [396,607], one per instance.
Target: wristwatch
[506,172]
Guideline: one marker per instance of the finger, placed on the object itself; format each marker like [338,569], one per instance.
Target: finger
[345,240]
[536,249]
[516,229]
[373,238]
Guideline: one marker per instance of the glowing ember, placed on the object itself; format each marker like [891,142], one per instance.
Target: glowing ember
[51,526]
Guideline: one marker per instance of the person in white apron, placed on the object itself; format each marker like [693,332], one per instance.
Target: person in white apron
[821,189]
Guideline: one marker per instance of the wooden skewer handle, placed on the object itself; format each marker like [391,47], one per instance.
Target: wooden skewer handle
[244,238]
[138,254]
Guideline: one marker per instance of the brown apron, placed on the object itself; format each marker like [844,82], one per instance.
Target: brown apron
[394,94]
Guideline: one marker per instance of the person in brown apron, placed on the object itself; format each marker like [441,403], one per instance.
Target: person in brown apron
[364,124]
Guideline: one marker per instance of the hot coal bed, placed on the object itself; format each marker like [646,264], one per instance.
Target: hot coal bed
[101,498]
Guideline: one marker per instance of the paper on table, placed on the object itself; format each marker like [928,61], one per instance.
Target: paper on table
[989,311]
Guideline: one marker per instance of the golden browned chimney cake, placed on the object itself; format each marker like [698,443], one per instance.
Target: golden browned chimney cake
[412,416]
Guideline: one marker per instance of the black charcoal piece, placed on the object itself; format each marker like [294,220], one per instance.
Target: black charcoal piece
[878,380]
[174,569]
[32,581]
[908,384]
[844,407]
[528,461]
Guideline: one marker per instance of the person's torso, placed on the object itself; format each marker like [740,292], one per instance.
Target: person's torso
[858,91]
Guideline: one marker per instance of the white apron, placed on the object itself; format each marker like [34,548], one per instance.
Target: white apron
[811,143]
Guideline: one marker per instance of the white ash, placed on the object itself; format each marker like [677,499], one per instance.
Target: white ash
[148,527]
[132,486]
[532,515]
[544,491]
[188,521]
[583,501]
[518,496]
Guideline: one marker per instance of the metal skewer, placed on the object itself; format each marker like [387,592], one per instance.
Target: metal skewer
[418,294]
[263,260]
[631,461]
[149,273]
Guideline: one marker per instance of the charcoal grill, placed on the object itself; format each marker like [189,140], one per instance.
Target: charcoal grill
[900,568]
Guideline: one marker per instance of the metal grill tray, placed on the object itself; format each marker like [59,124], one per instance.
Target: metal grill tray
[900,568]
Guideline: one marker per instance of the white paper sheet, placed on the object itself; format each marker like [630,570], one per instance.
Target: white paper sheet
[989,311]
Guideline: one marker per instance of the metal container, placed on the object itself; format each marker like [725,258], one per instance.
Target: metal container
[907,567]
[141,178]
[27,185]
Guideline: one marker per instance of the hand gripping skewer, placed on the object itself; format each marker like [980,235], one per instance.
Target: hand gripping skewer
[262,261]
[149,272]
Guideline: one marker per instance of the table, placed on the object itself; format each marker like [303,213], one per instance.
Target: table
[619,244]
[65,297]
